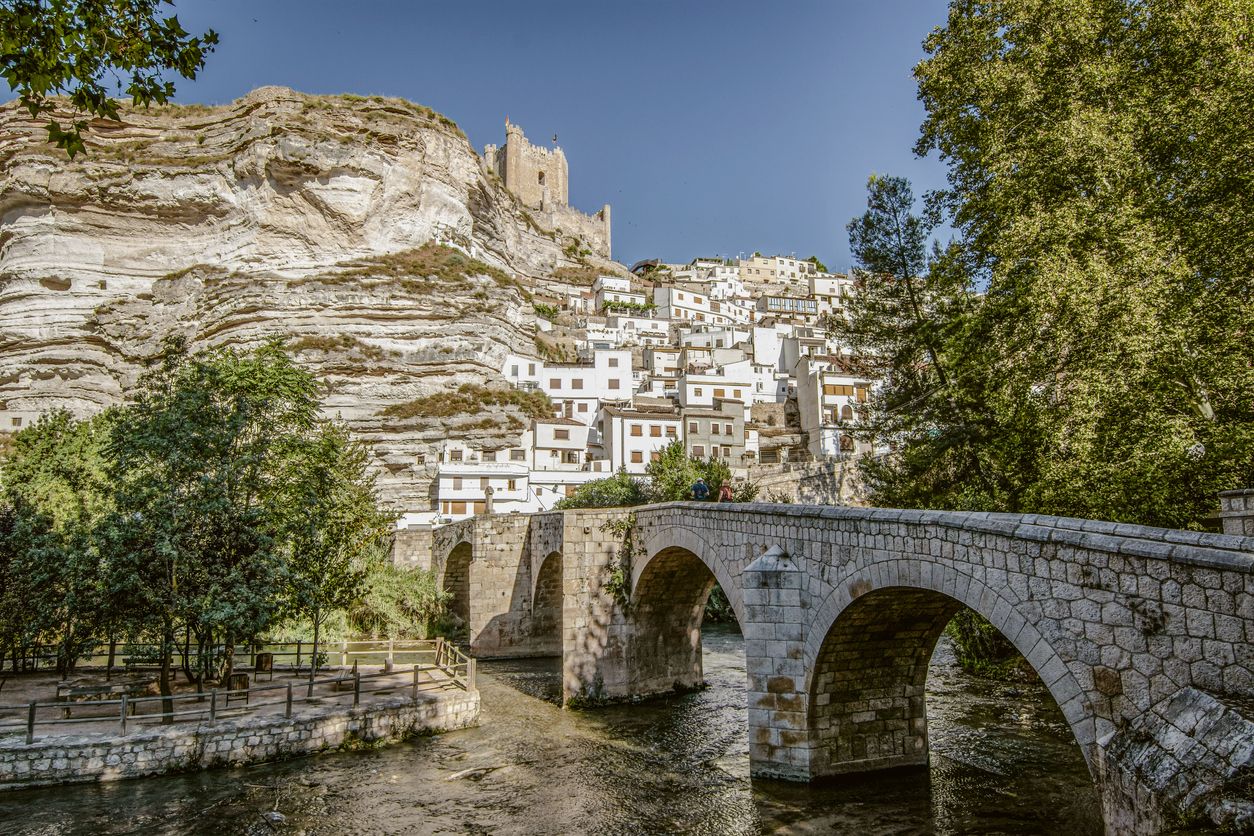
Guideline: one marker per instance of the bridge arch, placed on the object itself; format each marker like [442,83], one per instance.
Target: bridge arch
[547,600]
[456,579]
[867,655]
[660,539]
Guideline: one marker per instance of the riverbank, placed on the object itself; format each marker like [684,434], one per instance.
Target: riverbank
[65,759]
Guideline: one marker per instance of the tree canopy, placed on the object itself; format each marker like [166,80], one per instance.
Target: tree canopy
[1098,158]
[50,48]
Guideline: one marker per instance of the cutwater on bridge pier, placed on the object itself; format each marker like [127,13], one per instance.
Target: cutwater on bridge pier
[1142,635]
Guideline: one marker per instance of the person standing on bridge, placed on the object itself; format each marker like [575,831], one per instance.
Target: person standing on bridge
[700,491]
[725,492]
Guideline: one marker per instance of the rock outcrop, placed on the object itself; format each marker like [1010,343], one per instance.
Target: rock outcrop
[365,231]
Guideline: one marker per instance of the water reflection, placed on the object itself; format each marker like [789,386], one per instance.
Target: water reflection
[1003,762]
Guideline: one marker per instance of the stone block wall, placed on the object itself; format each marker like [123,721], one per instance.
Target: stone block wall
[411,548]
[1236,509]
[64,759]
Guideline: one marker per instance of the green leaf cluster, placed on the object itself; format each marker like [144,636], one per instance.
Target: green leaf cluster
[70,47]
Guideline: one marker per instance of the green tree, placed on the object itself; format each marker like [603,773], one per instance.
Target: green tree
[332,524]
[52,483]
[1098,153]
[820,266]
[70,47]
[196,540]
[673,473]
[899,328]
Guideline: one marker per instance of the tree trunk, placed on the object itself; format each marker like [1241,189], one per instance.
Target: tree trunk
[313,662]
[167,650]
[187,649]
[113,652]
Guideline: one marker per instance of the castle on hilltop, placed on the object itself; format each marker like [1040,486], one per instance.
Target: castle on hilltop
[540,179]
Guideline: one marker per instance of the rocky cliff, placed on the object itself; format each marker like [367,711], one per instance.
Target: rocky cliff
[363,230]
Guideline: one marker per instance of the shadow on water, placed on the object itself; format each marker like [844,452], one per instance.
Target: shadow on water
[1003,762]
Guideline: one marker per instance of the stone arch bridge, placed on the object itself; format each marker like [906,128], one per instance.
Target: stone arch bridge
[1144,637]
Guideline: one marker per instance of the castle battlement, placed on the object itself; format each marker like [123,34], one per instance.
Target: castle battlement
[540,179]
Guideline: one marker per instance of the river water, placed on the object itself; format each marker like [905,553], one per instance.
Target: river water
[1003,761]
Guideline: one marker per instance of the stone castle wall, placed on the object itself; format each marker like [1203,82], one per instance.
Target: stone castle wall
[64,759]
[540,179]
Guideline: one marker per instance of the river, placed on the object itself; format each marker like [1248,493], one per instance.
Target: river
[1003,761]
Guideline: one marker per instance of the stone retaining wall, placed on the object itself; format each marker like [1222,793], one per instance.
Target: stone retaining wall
[65,759]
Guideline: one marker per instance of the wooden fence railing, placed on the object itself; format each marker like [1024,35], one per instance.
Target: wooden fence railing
[447,667]
[133,655]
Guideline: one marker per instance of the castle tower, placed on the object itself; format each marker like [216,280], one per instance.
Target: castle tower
[538,177]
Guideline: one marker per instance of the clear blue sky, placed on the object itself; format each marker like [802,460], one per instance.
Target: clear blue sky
[712,128]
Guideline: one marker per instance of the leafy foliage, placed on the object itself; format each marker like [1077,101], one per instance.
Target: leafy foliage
[396,602]
[1097,153]
[670,479]
[617,491]
[69,47]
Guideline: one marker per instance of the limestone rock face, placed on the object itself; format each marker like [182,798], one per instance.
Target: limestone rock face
[304,217]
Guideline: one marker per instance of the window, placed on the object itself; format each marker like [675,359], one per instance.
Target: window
[698,451]
[554,383]
[512,484]
[457,483]
[769,456]
[655,430]
[713,428]
[561,435]
[696,393]
[484,483]
[614,360]
[577,383]
[692,426]
[421,458]
[458,507]
[570,490]
[736,394]
[727,452]
[727,429]
[637,429]
[454,455]
[613,384]
[518,455]
[479,507]
[846,413]
[720,393]
[513,371]
[582,407]
[531,368]
[637,457]
[540,178]
[570,457]
[489,455]
[670,432]
[655,456]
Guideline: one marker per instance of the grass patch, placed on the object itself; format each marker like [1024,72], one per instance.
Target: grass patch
[343,342]
[433,262]
[471,399]
[577,275]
